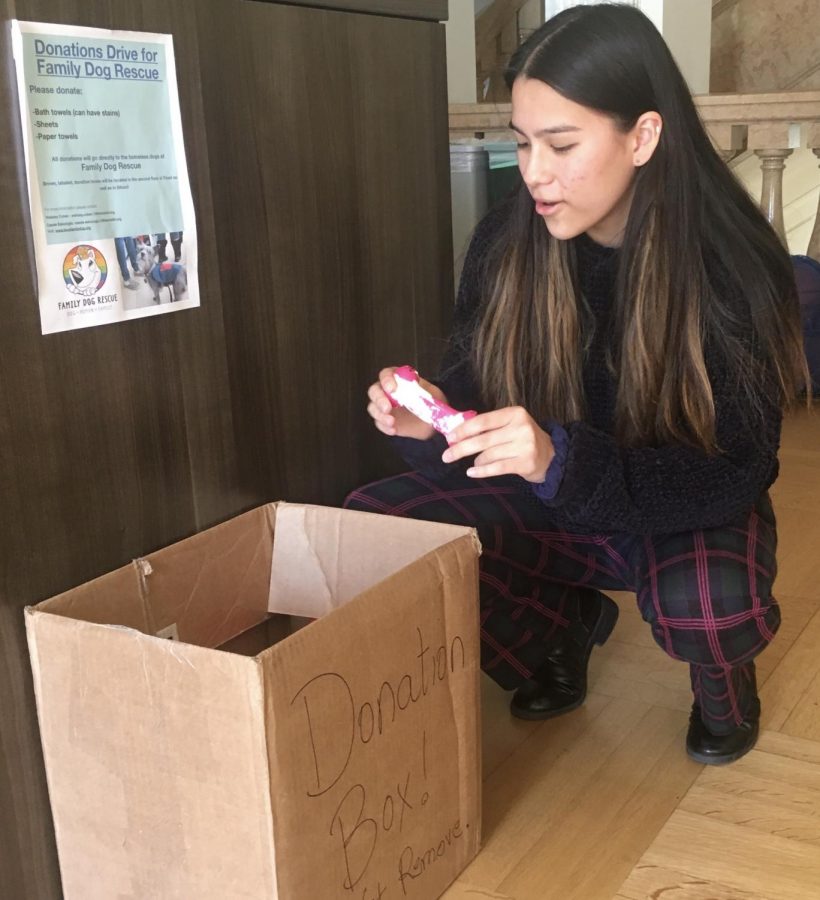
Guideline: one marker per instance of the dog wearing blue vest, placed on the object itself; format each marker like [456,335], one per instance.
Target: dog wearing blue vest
[159,275]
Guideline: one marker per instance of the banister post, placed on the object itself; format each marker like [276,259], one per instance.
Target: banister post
[813,143]
[763,139]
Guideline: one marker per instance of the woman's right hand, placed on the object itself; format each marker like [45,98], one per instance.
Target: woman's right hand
[398,421]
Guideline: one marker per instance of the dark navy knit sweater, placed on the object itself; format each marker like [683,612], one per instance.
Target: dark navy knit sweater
[604,487]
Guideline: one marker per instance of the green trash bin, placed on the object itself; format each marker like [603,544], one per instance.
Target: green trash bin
[503,176]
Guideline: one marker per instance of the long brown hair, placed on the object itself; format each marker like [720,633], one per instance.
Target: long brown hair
[689,220]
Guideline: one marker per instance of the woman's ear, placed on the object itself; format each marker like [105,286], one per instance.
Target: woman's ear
[647,133]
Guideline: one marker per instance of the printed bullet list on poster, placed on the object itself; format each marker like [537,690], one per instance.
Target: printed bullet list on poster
[112,215]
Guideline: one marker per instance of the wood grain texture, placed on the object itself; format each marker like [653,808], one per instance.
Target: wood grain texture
[746,831]
[721,852]
[316,143]
[434,10]
[322,162]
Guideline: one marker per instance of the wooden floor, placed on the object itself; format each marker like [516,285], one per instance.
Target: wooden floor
[603,804]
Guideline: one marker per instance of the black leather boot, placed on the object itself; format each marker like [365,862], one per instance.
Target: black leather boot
[720,749]
[560,685]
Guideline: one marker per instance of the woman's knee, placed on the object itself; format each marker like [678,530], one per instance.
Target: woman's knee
[724,631]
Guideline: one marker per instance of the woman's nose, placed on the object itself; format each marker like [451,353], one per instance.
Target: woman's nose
[535,170]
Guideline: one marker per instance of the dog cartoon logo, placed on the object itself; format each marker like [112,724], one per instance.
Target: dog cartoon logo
[84,270]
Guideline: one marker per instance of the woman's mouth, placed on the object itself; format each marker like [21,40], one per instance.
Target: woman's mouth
[546,209]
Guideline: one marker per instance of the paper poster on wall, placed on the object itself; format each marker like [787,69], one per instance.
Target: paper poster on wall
[111,207]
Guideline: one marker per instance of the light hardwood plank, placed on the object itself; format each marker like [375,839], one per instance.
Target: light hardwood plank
[460,890]
[588,853]
[659,883]
[799,488]
[794,774]
[502,734]
[642,673]
[792,678]
[760,805]
[801,429]
[804,719]
[750,830]
[788,761]
[788,747]
[797,533]
[796,613]
[727,854]
[543,779]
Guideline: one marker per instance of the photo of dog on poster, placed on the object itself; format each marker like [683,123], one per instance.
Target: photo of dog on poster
[149,272]
[167,279]
[162,274]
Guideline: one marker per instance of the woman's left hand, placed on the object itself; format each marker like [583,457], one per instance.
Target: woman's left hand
[505,442]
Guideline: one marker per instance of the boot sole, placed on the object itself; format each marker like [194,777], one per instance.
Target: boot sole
[707,759]
[550,714]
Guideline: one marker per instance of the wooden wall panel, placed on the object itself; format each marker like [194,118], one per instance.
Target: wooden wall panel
[104,434]
[325,162]
[436,10]
[324,252]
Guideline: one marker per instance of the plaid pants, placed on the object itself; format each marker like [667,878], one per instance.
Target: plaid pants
[705,594]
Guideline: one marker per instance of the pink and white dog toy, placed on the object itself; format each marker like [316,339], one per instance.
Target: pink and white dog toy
[412,396]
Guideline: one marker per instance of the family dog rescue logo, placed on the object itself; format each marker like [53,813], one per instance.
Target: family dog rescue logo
[85,271]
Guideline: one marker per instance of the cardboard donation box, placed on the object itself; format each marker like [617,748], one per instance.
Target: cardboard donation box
[244,758]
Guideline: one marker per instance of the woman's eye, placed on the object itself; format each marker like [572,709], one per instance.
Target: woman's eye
[522,146]
[564,149]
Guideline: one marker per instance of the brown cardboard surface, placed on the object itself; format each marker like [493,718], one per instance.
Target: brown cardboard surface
[112,599]
[343,761]
[214,585]
[311,571]
[155,755]
[375,730]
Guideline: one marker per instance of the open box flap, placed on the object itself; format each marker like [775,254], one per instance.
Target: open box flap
[323,557]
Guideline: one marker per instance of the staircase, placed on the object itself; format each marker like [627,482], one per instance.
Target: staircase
[801,195]
[758,46]
[497,34]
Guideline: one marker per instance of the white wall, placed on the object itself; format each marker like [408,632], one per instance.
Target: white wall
[461,74]
[531,15]
[686,26]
